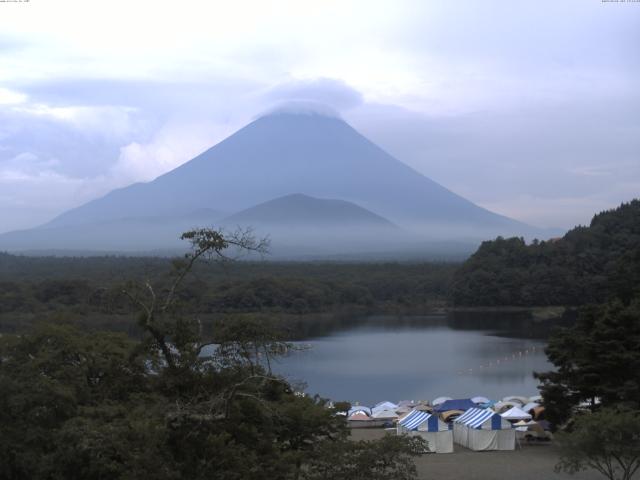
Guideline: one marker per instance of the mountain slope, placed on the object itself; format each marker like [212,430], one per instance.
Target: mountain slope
[300,225]
[299,209]
[128,234]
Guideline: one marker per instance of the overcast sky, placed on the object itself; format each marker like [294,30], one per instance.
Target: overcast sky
[531,109]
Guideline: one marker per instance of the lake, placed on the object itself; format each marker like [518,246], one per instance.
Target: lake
[419,358]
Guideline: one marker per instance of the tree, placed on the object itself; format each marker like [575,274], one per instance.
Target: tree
[80,405]
[597,361]
[389,458]
[607,441]
[48,378]
[587,265]
[342,407]
[158,315]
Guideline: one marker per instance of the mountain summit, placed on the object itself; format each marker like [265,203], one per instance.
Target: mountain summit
[287,152]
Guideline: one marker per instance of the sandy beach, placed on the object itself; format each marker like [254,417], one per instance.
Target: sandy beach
[531,462]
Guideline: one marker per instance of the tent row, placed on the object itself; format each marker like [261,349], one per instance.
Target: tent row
[448,409]
[477,429]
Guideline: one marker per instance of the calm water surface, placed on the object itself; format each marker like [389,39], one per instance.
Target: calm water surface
[412,358]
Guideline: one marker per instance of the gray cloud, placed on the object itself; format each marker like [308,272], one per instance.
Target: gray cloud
[583,154]
[327,91]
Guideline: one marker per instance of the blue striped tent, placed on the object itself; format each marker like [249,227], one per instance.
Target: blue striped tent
[483,429]
[437,434]
[476,418]
[416,418]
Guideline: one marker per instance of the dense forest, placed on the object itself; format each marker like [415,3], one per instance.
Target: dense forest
[88,291]
[588,265]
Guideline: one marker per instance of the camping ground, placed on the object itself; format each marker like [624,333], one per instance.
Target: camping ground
[531,462]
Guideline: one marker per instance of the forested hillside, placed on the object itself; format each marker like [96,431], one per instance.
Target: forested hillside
[89,290]
[587,265]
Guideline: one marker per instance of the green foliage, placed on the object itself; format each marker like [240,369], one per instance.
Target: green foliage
[390,458]
[78,405]
[88,291]
[47,378]
[86,406]
[342,407]
[606,441]
[599,357]
[588,265]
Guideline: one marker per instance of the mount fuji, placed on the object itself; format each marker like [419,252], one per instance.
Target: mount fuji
[293,172]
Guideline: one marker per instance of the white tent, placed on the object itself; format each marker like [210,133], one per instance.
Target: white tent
[403,410]
[480,400]
[383,406]
[359,416]
[359,408]
[440,400]
[379,414]
[530,406]
[516,414]
[517,399]
[504,406]
[483,429]
[429,427]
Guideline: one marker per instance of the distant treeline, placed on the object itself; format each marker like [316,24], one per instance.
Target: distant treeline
[90,289]
[588,265]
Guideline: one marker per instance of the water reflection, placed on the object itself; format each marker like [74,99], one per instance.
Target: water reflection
[514,323]
[419,357]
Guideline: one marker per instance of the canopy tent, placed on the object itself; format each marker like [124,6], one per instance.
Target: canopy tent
[437,401]
[359,416]
[480,400]
[450,415]
[524,423]
[383,406]
[407,403]
[385,403]
[437,434]
[517,399]
[384,414]
[403,410]
[424,408]
[412,420]
[359,408]
[536,398]
[457,404]
[516,413]
[504,406]
[531,430]
[483,429]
